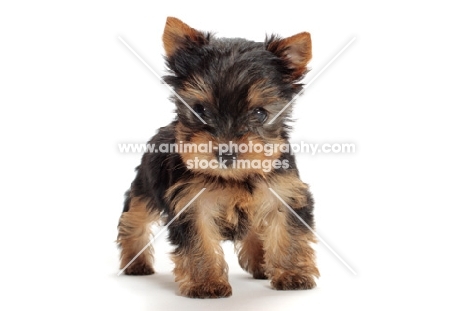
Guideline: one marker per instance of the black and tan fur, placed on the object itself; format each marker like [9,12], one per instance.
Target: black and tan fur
[236,86]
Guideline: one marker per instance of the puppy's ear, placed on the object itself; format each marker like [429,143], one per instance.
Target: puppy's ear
[178,35]
[296,51]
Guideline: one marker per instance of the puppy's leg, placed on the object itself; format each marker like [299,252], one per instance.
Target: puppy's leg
[200,268]
[289,257]
[134,234]
[251,254]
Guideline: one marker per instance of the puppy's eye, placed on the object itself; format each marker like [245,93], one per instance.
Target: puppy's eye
[260,114]
[199,109]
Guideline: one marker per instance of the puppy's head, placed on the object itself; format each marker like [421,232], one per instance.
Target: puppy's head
[231,92]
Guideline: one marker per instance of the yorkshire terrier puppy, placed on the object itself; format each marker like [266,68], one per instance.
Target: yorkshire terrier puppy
[230,93]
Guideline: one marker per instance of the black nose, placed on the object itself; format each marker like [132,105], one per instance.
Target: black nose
[227,158]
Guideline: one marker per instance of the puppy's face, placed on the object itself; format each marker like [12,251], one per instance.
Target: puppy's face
[234,89]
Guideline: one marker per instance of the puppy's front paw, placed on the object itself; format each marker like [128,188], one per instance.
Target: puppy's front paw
[139,268]
[292,281]
[259,275]
[208,290]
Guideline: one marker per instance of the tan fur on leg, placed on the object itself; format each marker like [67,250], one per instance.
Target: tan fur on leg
[251,254]
[289,257]
[200,267]
[134,235]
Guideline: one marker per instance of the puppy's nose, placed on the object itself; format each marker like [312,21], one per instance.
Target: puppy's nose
[227,158]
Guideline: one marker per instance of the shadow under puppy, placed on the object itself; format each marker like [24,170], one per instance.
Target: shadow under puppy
[234,88]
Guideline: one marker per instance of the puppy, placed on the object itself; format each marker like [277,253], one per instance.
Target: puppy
[218,169]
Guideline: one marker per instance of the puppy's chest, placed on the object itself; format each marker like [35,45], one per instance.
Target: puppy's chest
[232,209]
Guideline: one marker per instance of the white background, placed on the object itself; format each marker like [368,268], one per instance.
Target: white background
[70,91]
